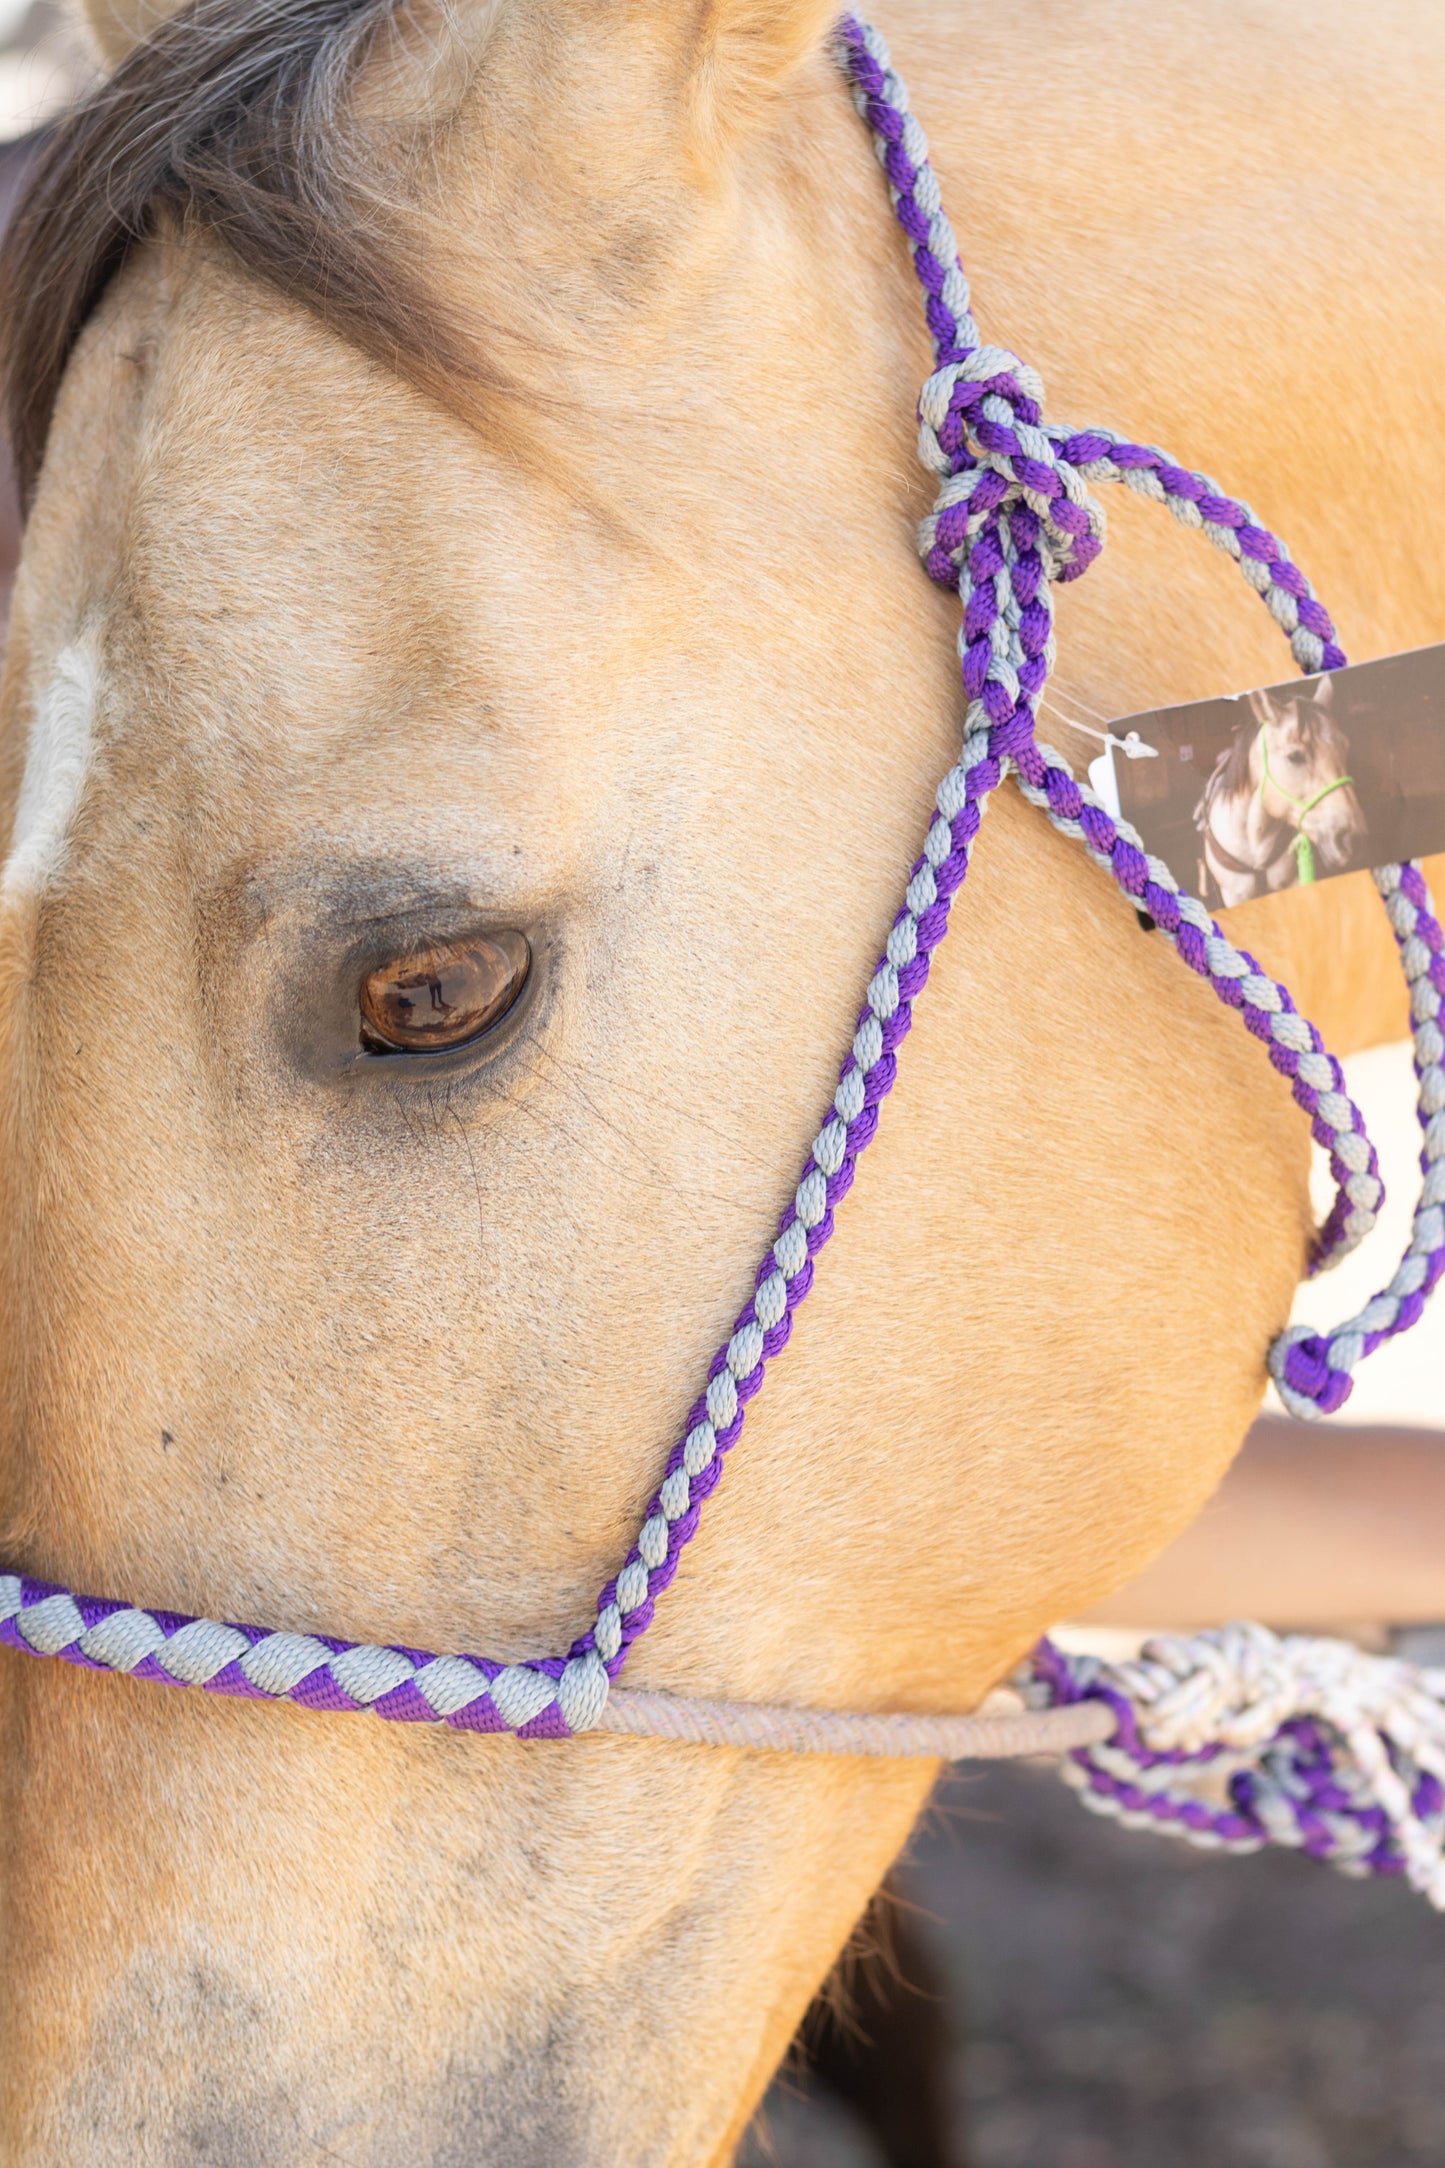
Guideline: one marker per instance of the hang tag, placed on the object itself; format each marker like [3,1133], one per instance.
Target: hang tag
[1286,786]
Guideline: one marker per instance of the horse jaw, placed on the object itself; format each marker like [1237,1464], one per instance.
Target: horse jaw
[1337,827]
[407,1367]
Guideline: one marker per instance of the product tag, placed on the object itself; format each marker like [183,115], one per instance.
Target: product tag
[1275,789]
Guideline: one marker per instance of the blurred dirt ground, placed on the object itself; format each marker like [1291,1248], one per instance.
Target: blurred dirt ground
[1121,2001]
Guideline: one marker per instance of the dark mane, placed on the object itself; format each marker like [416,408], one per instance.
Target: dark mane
[233,114]
[1231,774]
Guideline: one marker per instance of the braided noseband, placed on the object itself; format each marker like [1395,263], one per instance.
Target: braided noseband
[1233,1738]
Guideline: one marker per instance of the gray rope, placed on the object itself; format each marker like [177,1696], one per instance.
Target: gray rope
[1000,1731]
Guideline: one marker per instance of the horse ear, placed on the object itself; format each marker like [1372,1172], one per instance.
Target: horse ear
[1323,695]
[747,51]
[747,48]
[118,25]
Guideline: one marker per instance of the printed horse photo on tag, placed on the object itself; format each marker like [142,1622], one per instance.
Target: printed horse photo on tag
[1305,781]
[1280,801]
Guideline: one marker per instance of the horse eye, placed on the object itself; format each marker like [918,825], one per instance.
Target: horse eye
[442,997]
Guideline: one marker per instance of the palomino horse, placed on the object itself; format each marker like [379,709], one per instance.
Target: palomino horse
[474,539]
[1281,799]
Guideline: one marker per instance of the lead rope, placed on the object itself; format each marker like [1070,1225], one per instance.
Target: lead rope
[1304,1742]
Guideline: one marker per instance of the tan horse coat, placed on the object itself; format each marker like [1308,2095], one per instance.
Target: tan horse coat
[303,666]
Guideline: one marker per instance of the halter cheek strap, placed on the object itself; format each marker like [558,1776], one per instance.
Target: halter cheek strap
[1301,845]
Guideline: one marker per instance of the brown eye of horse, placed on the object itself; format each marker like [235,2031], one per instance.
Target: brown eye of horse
[441,997]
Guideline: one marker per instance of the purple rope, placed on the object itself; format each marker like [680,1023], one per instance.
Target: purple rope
[315,1671]
[1302,1788]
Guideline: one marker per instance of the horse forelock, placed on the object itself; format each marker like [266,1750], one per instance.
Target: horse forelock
[1233,770]
[240,119]
[1320,731]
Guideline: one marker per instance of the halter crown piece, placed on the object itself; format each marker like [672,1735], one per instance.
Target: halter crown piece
[1233,1738]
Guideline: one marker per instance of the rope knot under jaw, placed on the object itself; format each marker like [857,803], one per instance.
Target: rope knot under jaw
[1237,1737]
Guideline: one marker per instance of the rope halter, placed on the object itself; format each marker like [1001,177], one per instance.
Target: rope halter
[1013,514]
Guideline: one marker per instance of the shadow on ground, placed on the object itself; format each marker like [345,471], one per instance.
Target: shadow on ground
[1121,2001]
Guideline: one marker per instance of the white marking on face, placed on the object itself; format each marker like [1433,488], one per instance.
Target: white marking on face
[56,763]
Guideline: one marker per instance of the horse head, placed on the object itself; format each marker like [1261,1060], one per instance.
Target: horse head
[1299,766]
[470,708]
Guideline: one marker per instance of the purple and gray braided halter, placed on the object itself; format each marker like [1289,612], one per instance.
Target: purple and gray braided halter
[1234,1738]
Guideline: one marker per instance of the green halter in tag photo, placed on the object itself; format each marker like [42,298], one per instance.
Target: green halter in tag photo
[1303,848]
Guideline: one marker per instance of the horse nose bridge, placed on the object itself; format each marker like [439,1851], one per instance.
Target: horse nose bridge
[1338,811]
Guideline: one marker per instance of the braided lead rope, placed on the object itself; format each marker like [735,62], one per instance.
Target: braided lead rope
[1013,514]
[469,1693]
[1231,1740]
[1237,1738]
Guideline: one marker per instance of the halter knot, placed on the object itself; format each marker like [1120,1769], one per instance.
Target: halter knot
[1239,1737]
[1235,1686]
[981,428]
